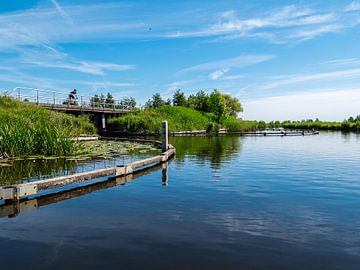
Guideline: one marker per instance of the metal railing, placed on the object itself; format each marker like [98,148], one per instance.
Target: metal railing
[54,98]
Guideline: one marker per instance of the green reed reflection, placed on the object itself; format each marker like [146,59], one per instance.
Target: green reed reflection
[25,170]
[208,148]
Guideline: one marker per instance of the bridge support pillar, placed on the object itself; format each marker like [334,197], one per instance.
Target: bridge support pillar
[103,122]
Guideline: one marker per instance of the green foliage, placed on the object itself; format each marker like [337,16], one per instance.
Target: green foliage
[179,99]
[233,106]
[155,102]
[352,124]
[179,119]
[30,130]
[217,105]
[149,120]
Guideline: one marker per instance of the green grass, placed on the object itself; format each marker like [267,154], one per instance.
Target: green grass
[319,125]
[30,130]
[179,119]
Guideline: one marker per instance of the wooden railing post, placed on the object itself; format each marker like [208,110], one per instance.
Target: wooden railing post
[165,136]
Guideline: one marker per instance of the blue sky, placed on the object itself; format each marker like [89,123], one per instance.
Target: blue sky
[282,59]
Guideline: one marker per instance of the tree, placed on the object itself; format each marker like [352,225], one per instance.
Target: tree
[155,102]
[217,105]
[109,99]
[191,102]
[351,119]
[233,106]
[179,99]
[94,101]
[128,103]
[202,101]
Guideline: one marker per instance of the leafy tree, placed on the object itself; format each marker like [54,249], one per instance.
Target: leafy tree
[94,101]
[109,99]
[217,105]
[179,99]
[191,102]
[128,103]
[233,106]
[351,119]
[202,101]
[155,102]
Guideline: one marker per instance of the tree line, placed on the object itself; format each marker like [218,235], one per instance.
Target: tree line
[219,104]
[350,124]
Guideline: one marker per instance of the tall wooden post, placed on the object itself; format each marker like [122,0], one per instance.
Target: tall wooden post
[165,136]
[165,174]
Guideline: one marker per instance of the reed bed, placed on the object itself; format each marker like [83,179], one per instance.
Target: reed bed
[30,130]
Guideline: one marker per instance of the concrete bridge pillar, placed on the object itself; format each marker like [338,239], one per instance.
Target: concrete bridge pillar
[103,122]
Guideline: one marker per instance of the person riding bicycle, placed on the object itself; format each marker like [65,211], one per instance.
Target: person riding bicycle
[72,96]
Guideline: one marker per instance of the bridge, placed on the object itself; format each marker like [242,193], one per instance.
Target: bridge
[98,108]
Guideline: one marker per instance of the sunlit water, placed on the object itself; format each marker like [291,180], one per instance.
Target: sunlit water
[230,203]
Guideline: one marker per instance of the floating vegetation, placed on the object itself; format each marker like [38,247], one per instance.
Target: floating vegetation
[104,149]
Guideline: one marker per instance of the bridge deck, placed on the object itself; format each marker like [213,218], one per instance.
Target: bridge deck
[77,108]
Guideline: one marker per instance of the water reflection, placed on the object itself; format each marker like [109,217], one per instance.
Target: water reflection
[24,170]
[215,150]
[13,209]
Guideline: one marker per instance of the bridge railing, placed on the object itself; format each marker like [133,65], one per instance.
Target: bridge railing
[48,97]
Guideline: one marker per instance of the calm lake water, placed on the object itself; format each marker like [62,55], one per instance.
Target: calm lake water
[230,203]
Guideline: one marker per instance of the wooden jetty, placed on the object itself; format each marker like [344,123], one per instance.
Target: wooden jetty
[14,208]
[16,192]
[253,133]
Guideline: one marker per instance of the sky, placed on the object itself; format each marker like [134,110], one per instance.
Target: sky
[282,59]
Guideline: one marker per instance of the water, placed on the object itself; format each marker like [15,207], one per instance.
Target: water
[230,203]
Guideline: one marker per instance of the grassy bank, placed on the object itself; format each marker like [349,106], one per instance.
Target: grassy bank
[30,130]
[319,125]
[179,119]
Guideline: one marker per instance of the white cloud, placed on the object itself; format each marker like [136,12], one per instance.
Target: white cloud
[301,78]
[342,62]
[331,105]
[49,57]
[218,74]
[277,26]
[236,62]
[62,13]
[306,34]
[353,6]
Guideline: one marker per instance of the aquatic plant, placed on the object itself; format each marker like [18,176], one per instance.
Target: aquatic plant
[30,130]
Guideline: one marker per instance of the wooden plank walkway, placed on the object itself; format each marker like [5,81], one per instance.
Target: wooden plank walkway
[15,192]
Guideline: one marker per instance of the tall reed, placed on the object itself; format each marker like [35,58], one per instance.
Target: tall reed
[29,130]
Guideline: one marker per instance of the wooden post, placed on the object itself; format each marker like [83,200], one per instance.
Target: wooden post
[165,136]
[165,174]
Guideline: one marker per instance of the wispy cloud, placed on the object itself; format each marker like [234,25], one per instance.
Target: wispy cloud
[280,25]
[225,64]
[342,62]
[218,73]
[62,13]
[301,78]
[120,21]
[353,6]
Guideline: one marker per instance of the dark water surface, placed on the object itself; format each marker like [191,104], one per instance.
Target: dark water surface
[230,203]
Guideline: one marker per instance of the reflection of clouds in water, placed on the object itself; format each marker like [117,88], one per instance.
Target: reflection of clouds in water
[304,227]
